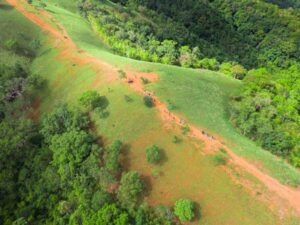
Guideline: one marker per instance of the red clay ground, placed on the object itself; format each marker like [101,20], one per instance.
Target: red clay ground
[71,52]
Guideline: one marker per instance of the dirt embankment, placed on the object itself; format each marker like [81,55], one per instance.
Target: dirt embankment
[71,52]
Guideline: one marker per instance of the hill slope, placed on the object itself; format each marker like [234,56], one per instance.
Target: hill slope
[198,96]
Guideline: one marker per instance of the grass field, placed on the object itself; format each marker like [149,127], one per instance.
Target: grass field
[199,96]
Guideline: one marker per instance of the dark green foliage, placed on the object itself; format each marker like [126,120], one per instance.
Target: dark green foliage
[218,35]
[145,80]
[62,120]
[176,140]
[20,221]
[219,159]
[171,106]
[153,154]
[131,187]
[110,214]
[16,85]
[184,209]
[112,156]
[90,100]
[70,149]
[148,101]
[223,150]
[128,98]
[268,110]
[100,198]
[149,216]
[185,129]
[16,144]
[285,3]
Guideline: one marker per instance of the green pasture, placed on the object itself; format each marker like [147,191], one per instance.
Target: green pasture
[200,96]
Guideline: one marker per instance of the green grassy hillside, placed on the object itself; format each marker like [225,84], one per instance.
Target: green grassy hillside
[199,96]
[206,92]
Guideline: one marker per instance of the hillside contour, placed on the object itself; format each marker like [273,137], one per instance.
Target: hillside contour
[288,194]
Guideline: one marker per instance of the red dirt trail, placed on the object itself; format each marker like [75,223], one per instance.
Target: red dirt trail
[70,51]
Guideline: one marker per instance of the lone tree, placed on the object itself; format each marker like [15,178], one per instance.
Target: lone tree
[153,154]
[148,101]
[90,100]
[184,209]
[130,189]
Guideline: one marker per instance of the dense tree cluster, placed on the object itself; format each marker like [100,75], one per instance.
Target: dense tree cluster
[133,35]
[268,111]
[56,173]
[285,3]
[53,171]
[199,34]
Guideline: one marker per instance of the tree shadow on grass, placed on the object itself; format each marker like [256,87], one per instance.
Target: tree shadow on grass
[125,160]
[163,157]
[197,212]
[101,108]
[104,102]
[147,185]
[5,7]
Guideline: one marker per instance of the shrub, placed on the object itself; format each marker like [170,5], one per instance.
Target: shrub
[153,154]
[223,150]
[184,209]
[122,74]
[176,140]
[170,106]
[219,159]
[148,101]
[128,98]
[145,80]
[208,63]
[90,100]
[238,72]
[130,189]
[185,129]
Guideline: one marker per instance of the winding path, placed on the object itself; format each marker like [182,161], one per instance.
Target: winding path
[71,51]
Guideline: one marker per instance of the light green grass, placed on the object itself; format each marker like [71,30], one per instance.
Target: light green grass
[23,31]
[127,120]
[204,100]
[200,96]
